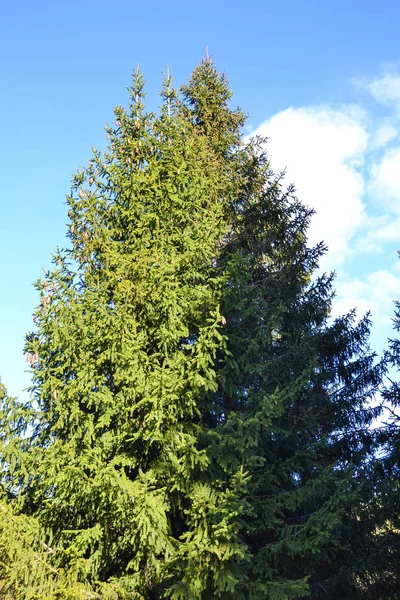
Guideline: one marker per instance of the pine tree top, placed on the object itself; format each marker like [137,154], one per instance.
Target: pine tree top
[207,95]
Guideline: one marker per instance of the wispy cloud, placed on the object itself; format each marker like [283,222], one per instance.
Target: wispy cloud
[384,134]
[385,89]
[375,292]
[385,181]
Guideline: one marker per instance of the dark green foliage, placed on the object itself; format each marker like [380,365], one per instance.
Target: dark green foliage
[385,571]
[197,428]
[392,397]
[366,567]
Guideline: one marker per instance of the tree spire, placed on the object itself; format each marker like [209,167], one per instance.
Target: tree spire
[207,97]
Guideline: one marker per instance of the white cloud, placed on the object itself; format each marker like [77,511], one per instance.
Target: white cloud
[322,149]
[386,90]
[379,235]
[385,181]
[389,232]
[396,269]
[375,292]
[383,135]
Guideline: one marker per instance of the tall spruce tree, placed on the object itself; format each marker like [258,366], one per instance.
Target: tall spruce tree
[197,427]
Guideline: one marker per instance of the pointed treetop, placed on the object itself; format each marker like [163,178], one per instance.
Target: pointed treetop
[168,94]
[136,92]
[207,95]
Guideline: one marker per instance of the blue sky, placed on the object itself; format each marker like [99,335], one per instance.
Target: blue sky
[320,79]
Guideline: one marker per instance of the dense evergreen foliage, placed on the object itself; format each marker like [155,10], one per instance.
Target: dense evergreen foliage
[199,426]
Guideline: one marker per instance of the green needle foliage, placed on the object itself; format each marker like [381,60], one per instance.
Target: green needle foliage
[384,579]
[367,564]
[197,426]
